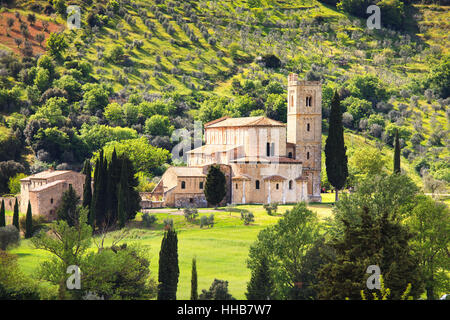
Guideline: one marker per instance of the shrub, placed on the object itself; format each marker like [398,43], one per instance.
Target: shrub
[9,236]
[271,208]
[207,221]
[203,221]
[190,213]
[148,220]
[247,217]
[217,291]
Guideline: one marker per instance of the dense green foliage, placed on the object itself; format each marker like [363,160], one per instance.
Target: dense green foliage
[217,291]
[369,232]
[430,223]
[281,248]
[14,285]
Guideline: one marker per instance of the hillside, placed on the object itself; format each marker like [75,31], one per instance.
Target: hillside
[172,62]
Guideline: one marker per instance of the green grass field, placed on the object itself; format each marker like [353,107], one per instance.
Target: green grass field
[221,251]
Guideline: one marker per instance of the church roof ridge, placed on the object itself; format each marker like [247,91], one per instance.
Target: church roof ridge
[244,122]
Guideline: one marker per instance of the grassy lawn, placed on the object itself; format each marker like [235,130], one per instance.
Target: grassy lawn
[221,251]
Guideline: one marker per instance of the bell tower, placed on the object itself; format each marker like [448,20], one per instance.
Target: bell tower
[304,128]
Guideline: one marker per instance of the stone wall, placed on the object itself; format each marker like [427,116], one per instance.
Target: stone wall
[197,200]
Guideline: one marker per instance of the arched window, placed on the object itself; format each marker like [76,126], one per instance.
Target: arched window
[236,186]
[51,200]
[307,155]
[277,186]
[201,185]
[272,149]
[308,127]
[183,184]
[268,149]
[290,184]
[308,101]
[257,184]
[290,155]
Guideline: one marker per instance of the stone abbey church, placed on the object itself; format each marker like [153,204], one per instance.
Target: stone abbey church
[263,160]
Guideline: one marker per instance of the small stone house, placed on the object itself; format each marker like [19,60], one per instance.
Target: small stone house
[44,190]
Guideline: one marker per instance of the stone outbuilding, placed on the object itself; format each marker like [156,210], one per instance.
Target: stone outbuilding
[44,190]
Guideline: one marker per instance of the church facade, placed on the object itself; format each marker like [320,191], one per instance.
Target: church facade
[263,160]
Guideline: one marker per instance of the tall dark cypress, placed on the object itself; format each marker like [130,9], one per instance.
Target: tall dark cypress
[335,150]
[2,214]
[15,221]
[132,195]
[112,178]
[29,222]
[122,198]
[87,189]
[194,285]
[92,210]
[397,153]
[168,267]
[100,185]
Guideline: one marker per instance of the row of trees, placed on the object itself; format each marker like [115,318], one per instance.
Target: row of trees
[111,199]
[10,235]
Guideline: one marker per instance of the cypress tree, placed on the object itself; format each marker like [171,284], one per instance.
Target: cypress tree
[194,286]
[168,267]
[67,210]
[120,207]
[335,150]
[87,190]
[215,186]
[92,212]
[133,199]
[260,286]
[397,153]
[100,190]
[29,222]
[122,191]
[112,177]
[15,221]
[2,214]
